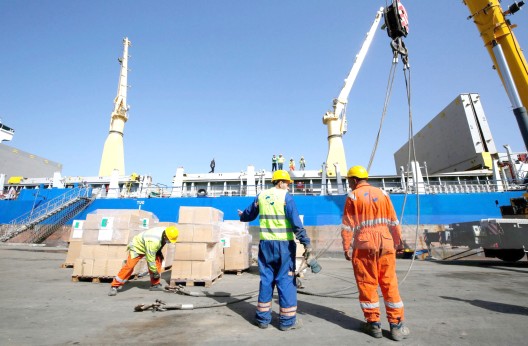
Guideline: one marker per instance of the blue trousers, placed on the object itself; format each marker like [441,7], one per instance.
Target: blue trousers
[276,261]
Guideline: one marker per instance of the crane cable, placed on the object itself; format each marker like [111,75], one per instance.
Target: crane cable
[411,147]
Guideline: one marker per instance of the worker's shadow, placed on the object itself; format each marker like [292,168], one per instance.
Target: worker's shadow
[494,306]
[328,314]
[247,309]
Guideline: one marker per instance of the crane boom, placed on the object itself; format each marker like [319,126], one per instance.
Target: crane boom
[335,120]
[504,50]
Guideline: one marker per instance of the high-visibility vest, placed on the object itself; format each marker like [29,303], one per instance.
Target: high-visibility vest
[147,243]
[272,216]
[281,159]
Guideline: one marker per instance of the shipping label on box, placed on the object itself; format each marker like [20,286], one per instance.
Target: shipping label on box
[106,223]
[105,234]
[145,223]
[77,229]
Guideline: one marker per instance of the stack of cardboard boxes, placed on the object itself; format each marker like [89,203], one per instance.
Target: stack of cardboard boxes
[198,253]
[236,241]
[101,240]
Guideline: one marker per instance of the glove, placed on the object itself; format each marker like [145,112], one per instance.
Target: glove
[347,255]
[156,276]
[307,252]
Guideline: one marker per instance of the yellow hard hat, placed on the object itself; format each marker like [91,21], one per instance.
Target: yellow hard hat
[281,175]
[172,233]
[358,172]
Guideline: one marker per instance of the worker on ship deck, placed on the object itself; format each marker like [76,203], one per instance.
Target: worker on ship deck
[280,224]
[146,244]
[369,219]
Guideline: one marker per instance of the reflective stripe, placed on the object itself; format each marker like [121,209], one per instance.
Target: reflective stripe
[369,305]
[263,307]
[118,279]
[397,305]
[375,222]
[273,217]
[289,312]
[276,236]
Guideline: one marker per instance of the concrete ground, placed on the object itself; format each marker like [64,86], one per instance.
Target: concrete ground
[468,302]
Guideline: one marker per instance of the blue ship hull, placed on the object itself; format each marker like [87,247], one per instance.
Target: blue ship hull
[317,210]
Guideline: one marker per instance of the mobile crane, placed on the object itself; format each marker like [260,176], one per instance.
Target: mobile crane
[506,238]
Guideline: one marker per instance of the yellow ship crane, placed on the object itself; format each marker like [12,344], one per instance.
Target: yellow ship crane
[335,120]
[113,157]
[508,58]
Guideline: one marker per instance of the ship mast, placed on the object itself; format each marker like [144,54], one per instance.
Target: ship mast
[113,157]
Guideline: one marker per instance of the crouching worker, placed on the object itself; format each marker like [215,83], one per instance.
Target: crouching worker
[147,244]
[279,226]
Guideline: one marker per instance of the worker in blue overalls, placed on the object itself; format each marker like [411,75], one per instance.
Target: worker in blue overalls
[279,226]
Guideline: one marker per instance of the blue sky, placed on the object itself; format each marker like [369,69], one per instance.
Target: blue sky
[236,80]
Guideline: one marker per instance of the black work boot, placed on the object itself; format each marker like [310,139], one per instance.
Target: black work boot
[372,328]
[296,325]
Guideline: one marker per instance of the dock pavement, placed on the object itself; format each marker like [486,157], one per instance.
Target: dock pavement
[474,301]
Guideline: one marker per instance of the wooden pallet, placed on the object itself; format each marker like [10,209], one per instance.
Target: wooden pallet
[235,271]
[94,279]
[186,282]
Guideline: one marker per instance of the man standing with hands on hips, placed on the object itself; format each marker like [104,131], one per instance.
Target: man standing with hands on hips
[279,226]
[369,219]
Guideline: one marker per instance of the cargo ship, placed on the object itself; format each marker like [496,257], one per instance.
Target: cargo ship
[455,176]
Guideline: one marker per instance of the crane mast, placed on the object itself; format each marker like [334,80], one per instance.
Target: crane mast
[504,50]
[335,120]
[113,157]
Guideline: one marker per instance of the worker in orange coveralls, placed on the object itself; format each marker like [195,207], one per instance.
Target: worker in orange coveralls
[370,220]
[146,244]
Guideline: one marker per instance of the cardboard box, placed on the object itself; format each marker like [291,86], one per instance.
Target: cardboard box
[185,233]
[83,267]
[181,270]
[109,236]
[113,266]
[235,263]
[206,270]
[198,233]
[196,270]
[74,251]
[200,215]
[99,267]
[195,251]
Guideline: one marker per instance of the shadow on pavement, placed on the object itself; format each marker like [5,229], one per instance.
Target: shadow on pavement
[494,306]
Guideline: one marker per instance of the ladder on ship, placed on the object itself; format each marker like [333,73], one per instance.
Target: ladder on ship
[45,219]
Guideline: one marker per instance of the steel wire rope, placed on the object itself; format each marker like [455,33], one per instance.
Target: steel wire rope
[388,93]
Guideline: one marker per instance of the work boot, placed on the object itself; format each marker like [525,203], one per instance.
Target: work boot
[372,328]
[296,325]
[113,291]
[261,325]
[158,287]
[399,331]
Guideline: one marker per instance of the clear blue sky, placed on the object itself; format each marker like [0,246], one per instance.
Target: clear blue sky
[236,80]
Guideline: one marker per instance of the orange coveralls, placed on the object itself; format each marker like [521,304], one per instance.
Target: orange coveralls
[369,218]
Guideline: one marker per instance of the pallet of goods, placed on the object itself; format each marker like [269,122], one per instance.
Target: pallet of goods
[198,253]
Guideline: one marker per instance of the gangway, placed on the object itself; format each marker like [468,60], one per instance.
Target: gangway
[48,217]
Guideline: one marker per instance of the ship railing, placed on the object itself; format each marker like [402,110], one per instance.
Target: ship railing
[313,189]
[40,212]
